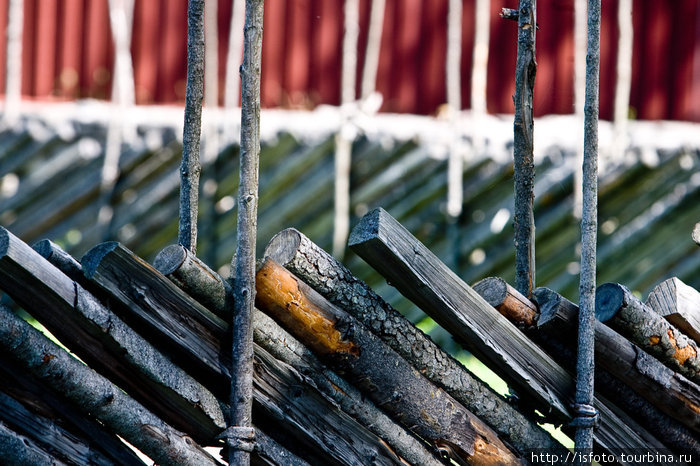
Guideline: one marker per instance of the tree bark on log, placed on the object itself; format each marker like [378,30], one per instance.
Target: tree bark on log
[679,304]
[625,365]
[188,329]
[336,283]
[41,400]
[96,395]
[508,301]
[420,276]
[617,306]
[203,286]
[105,342]
[378,370]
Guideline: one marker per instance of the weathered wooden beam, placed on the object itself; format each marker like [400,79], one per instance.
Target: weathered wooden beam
[508,301]
[670,392]
[622,311]
[18,449]
[386,377]
[420,276]
[336,283]
[268,451]
[97,396]
[204,286]
[43,401]
[105,342]
[187,328]
[679,304]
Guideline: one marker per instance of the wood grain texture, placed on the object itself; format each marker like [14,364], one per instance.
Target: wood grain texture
[420,276]
[105,342]
[679,304]
[670,392]
[336,283]
[638,322]
[382,374]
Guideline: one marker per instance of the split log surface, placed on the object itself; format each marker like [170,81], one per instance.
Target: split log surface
[625,367]
[203,286]
[105,342]
[336,283]
[508,301]
[384,376]
[18,449]
[284,399]
[622,311]
[679,304]
[420,276]
[96,395]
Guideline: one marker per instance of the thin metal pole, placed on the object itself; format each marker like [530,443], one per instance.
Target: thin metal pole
[585,413]
[240,435]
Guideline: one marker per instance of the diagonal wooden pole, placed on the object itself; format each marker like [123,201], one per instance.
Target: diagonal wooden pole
[524,165]
[585,413]
[240,435]
[190,166]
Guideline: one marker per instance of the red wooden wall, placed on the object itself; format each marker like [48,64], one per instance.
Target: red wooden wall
[68,54]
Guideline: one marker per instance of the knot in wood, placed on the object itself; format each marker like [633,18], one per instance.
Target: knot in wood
[239,438]
[585,415]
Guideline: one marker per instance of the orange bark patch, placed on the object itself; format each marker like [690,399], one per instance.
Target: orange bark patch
[681,354]
[654,340]
[278,293]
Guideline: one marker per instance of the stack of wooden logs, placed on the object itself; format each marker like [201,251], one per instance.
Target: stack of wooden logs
[340,376]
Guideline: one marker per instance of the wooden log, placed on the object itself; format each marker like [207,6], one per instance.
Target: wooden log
[617,306]
[267,451]
[18,449]
[386,377]
[97,396]
[105,342]
[188,329]
[60,259]
[624,364]
[202,286]
[508,301]
[696,233]
[43,401]
[336,283]
[679,304]
[195,278]
[420,276]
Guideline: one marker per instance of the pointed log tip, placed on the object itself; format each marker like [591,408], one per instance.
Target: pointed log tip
[547,302]
[283,246]
[45,248]
[368,227]
[91,260]
[170,259]
[609,298]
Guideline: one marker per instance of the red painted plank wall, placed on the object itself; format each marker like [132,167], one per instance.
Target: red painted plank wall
[68,54]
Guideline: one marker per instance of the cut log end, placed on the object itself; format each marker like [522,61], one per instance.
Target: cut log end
[91,260]
[170,259]
[508,301]
[548,303]
[284,245]
[368,228]
[609,298]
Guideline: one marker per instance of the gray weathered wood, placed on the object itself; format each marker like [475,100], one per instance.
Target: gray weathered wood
[243,262]
[41,400]
[150,302]
[211,289]
[190,167]
[195,277]
[679,304]
[696,233]
[670,392]
[61,259]
[102,340]
[270,452]
[622,311]
[380,372]
[20,450]
[523,141]
[186,328]
[336,283]
[96,395]
[420,276]
[507,300]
